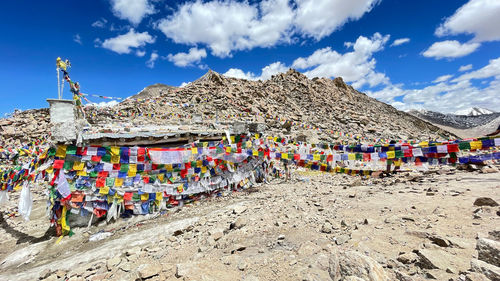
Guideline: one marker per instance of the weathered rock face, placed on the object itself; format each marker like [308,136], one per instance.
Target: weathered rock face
[352,265]
[488,251]
[330,105]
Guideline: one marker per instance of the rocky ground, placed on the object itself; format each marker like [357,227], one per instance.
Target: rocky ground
[412,226]
[315,107]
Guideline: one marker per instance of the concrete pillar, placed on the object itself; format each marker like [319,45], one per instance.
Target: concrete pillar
[63,121]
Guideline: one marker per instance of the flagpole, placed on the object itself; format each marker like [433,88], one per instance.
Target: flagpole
[58,86]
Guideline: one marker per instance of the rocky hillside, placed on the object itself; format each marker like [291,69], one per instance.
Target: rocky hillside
[157,89]
[330,105]
[453,120]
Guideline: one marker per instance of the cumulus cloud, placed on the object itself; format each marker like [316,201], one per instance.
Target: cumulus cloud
[442,78]
[227,25]
[490,70]
[266,73]
[356,67]
[123,44]
[465,67]
[450,49]
[319,18]
[77,39]
[140,53]
[151,62]
[448,95]
[477,17]
[185,59]
[400,41]
[132,10]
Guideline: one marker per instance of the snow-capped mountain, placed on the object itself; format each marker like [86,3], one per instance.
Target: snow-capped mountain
[474,111]
[470,119]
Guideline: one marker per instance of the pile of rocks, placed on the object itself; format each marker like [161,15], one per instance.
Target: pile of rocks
[315,106]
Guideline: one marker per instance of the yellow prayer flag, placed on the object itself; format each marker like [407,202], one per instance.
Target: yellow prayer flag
[169,167]
[132,167]
[194,150]
[61,151]
[78,166]
[118,182]
[115,150]
[476,145]
[131,173]
[203,169]
[205,144]
[199,163]
[283,155]
[115,159]
[249,144]
[228,149]
[351,156]
[256,153]
[144,197]
[104,190]
[391,154]
[82,173]
[316,157]
[159,195]
[232,139]
[161,177]
[424,144]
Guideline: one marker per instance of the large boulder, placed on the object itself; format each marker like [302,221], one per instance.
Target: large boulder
[488,251]
[489,270]
[353,264]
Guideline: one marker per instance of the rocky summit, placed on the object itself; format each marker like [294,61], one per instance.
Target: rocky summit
[289,103]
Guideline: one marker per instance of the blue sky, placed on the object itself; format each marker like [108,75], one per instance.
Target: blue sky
[436,55]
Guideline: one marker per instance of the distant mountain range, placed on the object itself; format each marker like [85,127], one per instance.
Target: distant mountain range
[474,111]
[463,119]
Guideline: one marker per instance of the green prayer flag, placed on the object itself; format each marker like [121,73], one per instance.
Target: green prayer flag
[71,150]
[106,157]
[124,168]
[68,165]
[110,182]
[464,145]
[399,154]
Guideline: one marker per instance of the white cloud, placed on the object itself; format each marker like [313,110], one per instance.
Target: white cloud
[132,10]
[101,23]
[185,59]
[450,49]
[140,53]
[319,18]
[490,70]
[477,17]
[77,39]
[266,73]
[106,103]
[448,95]
[184,84]
[227,25]
[356,67]
[151,62]
[465,67]
[122,44]
[442,78]
[400,41]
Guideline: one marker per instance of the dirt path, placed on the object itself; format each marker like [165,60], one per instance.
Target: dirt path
[279,231]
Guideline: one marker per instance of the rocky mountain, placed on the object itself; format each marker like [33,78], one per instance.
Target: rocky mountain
[289,103]
[454,120]
[153,90]
[474,111]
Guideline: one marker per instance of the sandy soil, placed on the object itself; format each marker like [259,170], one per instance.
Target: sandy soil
[277,231]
